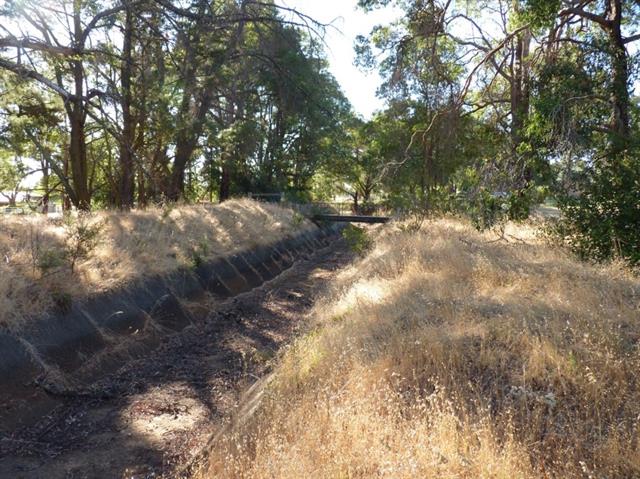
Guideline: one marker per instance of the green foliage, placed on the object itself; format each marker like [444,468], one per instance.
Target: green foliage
[82,235]
[51,259]
[199,253]
[489,207]
[62,300]
[357,239]
[12,173]
[225,108]
[297,196]
[298,219]
[539,13]
[46,259]
[602,220]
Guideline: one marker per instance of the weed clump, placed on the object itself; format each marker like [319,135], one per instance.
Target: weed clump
[357,238]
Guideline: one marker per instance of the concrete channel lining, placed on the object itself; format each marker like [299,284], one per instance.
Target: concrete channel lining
[67,341]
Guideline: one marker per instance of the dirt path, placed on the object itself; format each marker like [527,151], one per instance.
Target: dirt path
[155,414]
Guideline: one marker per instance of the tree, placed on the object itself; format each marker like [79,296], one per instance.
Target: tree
[148,86]
[583,105]
[599,27]
[12,172]
[443,63]
[66,77]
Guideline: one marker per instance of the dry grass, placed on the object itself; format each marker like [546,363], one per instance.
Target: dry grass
[442,354]
[128,247]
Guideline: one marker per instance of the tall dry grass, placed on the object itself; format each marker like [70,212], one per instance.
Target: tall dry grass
[129,246]
[443,354]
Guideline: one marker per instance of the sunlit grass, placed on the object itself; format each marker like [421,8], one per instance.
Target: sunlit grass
[444,354]
[130,246]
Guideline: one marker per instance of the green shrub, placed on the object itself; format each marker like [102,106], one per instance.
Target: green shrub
[357,239]
[50,259]
[82,236]
[62,300]
[298,219]
[199,253]
[603,220]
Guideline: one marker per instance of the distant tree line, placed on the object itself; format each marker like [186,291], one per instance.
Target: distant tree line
[493,106]
[128,102]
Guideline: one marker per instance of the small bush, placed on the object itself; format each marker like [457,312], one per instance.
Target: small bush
[298,219]
[357,239]
[601,222]
[82,236]
[199,253]
[49,260]
[62,301]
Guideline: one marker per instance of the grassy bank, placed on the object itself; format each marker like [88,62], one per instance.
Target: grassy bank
[443,354]
[46,261]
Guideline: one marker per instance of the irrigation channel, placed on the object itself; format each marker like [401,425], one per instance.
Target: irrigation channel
[157,410]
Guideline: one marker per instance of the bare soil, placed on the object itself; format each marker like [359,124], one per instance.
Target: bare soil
[156,414]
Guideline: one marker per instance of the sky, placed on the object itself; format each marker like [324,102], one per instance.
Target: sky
[348,22]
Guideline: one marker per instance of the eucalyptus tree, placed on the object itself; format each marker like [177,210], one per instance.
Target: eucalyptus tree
[49,42]
[585,111]
[602,32]
[477,53]
[422,83]
[146,85]
[275,114]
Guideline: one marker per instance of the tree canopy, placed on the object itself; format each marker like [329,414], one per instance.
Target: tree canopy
[508,103]
[166,100]
[490,107]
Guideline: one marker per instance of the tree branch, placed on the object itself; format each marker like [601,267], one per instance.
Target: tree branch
[55,168]
[632,38]
[27,73]
[33,44]
[588,15]
[94,21]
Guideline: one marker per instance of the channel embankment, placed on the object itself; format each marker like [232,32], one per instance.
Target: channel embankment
[64,350]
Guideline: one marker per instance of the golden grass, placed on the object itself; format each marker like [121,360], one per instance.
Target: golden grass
[442,354]
[129,247]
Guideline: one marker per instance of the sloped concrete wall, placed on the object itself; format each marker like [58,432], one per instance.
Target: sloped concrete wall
[91,338]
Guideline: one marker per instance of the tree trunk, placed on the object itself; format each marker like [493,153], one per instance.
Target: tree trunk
[66,199]
[126,184]
[520,88]
[620,119]
[77,118]
[45,185]
[225,181]
[191,125]
[520,106]
[611,24]
[78,157]
[185,146]
[188,129]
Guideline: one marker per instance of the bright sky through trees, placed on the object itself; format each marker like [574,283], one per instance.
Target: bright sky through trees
[348,22]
